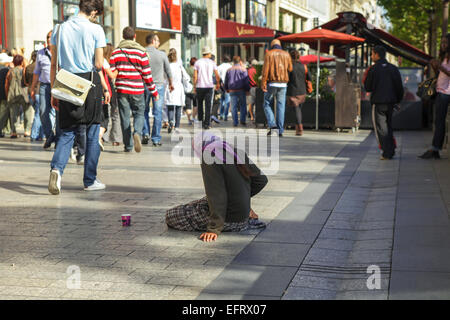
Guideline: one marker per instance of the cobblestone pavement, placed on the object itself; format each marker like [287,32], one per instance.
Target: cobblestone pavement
[332,208]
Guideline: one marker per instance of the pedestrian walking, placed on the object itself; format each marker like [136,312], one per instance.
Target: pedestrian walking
[5,66]
[251,98]
[297,89]
[204,69]
[79,43]
[37,133]
[441,66]
[111,111]
[42,77]
[237,84]
[18,98]
[176,98]
[160,70]
[191,100]
[131,68]
[225,98]
[384,82]
[275,76]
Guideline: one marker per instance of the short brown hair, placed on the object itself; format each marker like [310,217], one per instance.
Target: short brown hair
[128,33]
[17,60]
[236,59]
[87,6]
[295,55]
[172,55]
[149,39]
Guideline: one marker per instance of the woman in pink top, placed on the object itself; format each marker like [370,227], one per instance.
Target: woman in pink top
[442,100]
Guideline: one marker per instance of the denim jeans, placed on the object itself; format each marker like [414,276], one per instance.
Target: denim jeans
[238,102]
[65,144]
[128,103]
[47,113]
[280,94]
[441,108]
[174,112]
[157,113]
[37,132]
[224,105]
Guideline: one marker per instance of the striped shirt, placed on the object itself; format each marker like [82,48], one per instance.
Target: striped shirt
[130,77]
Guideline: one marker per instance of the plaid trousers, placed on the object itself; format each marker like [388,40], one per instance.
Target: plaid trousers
[194,216]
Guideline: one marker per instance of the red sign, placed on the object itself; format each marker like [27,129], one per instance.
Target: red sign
[230,29]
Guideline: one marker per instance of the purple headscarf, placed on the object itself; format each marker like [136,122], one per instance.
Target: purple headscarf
[208,142]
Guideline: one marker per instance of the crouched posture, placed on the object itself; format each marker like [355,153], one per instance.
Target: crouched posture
[229,189]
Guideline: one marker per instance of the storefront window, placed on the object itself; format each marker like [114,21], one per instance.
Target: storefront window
[63,9]
[227,9]
[256,13]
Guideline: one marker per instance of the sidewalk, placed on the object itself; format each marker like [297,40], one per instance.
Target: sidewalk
[333,210]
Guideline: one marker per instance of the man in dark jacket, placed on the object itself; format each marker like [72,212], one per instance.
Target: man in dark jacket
[385,83]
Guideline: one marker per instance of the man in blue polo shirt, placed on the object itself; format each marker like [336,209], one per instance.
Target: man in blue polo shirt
[42,74]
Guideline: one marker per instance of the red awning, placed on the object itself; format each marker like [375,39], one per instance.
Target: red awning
[233,30]
[376,36]
[311,58]
[324,35]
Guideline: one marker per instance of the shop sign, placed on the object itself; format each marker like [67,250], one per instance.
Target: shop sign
[164,15]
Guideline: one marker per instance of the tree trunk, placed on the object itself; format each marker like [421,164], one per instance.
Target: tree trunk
[445,18]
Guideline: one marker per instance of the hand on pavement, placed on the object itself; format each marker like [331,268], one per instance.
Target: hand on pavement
[208,237]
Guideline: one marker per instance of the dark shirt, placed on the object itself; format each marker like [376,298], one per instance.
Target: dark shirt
[237,79]
[385,83]
[229,192]
[3,74]
[297,80]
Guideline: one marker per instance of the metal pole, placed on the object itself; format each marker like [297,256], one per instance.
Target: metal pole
[317,87]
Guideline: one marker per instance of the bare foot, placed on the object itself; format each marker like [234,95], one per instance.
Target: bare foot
[253,215]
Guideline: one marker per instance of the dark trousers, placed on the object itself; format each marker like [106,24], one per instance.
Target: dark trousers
[441,107]
[204,98]
[382,122]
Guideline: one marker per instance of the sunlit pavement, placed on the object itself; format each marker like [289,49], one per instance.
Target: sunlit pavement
[333,209]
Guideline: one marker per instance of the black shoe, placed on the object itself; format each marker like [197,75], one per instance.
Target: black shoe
[48,143]
[430,154]
[280,135]
[170,128]
[2,135]
[159,144]
[127,150]
[145,139]
[206,127]
[244,124]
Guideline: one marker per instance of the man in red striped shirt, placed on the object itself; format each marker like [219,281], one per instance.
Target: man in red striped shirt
[131,66]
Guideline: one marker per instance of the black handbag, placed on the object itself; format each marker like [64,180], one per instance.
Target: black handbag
[427,89]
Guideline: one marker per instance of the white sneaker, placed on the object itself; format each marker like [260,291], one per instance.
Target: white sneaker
[54,184]
[96,186]
[73,157]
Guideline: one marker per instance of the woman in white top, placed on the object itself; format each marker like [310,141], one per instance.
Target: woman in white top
[176,99]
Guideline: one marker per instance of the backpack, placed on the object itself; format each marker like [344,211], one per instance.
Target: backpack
[17,92]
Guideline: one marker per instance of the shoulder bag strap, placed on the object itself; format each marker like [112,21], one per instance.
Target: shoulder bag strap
[128,58]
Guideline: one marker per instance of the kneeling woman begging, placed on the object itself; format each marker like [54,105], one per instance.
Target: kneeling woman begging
[230,180]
